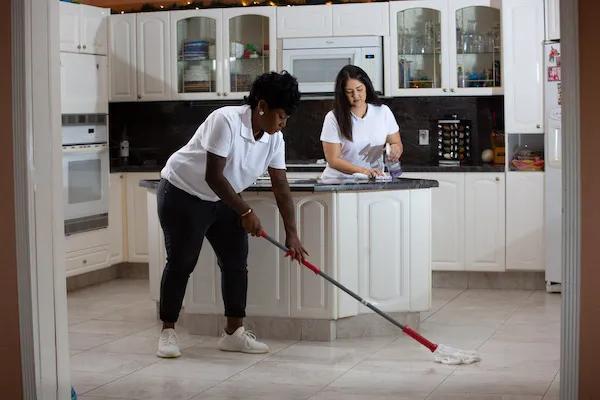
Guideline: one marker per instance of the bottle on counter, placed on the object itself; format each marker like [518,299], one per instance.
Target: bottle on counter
[395,169]
[124,149]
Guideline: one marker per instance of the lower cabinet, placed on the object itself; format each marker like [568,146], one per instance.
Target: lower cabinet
[525,221]
[468,221]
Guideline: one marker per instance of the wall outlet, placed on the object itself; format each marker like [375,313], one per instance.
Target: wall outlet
[423,137]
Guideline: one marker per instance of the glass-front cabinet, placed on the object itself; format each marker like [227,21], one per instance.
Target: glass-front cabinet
[446,48]
[476,47]
[218,53]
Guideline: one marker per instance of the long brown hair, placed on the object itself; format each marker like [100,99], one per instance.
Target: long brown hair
[341,105]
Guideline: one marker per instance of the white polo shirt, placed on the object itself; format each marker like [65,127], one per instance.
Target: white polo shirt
[369,135]
[227,132]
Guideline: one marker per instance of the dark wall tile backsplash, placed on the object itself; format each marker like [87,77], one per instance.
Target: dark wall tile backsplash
[156,129]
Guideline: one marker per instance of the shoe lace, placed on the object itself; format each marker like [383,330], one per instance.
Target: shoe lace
[170,339]
[249,337]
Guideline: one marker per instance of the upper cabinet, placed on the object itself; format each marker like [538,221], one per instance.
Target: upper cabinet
[523,66]
[191,55]
[218,53]
[552,12]
[446,48]
[83,29]
[357,19]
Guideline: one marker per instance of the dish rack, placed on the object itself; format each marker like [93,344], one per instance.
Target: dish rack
[453,141]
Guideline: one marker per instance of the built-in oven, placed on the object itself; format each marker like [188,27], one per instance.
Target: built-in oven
[85,155]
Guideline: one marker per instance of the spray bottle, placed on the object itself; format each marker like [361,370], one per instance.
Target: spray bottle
[395,169]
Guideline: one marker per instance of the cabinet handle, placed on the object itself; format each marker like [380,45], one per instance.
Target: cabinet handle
[139,96]
[452,90]
[538,126]
[445,90]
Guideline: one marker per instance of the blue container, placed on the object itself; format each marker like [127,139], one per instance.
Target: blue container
[73,394]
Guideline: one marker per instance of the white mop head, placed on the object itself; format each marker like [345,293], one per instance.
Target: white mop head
[451,356]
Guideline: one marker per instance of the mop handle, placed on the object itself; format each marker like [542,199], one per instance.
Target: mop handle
[431,346]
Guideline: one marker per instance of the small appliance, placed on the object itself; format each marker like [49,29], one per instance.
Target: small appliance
[315,62]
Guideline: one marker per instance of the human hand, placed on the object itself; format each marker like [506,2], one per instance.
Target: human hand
[395,152]
[295,249]
[251,223]
[372,172]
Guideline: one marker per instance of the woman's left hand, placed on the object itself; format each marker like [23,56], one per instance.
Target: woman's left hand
[295,249]
[395,152]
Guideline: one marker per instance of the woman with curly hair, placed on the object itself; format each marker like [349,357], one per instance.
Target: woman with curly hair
[199,196]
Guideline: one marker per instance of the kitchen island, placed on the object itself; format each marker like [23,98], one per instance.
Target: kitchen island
[372,236]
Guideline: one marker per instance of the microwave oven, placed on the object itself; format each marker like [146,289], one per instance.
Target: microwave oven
[315,62]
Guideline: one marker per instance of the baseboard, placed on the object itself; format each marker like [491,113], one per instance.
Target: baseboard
[509,280]
[122,270]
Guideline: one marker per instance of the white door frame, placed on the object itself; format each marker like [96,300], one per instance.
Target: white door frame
[38,199]
[39,216]
[571,221]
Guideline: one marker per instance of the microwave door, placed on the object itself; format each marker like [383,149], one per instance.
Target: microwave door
[85,181]
[317,69]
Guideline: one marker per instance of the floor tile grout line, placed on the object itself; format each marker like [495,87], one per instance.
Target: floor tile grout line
[550,385]
[444,306]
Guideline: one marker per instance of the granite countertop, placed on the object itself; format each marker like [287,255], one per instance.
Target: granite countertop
[317,185]
[318,168]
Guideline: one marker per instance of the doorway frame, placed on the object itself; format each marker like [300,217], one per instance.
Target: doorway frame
[38,188]
[39,214]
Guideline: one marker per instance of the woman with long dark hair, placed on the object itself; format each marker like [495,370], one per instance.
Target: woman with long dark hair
[199,197]
[356,131]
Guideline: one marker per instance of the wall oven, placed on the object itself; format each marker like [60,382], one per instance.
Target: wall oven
[315,62]
[85,157]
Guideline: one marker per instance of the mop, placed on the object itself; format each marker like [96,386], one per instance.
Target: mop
[441,353]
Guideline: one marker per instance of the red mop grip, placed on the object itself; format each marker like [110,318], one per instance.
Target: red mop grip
[312,267]
[413,334]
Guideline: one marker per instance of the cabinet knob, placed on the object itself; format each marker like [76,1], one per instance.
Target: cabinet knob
[452,90]
[218,93]
[139,96]
[445,90]
[538,126]
[224,93]
[497,179]
[84,46]
[85,261]
[78,46]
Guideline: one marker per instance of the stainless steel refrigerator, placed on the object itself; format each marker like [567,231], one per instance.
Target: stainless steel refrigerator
[553,175]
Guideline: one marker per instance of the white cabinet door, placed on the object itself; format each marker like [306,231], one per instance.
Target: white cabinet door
[361,19]
[137,216]
[153,52]
[84,84]
[70,27]
[525,221]
[293,22]
[485,221]
[268,269]
[447,219]
[115,217]
[552,11]
[383,249]
[203,294]
[123,70]
[311,295]
[94,30]
[522,37]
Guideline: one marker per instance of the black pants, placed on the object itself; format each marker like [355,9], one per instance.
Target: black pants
[185,221]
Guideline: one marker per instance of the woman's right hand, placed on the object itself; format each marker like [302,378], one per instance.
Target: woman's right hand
[372,172]
[251,223]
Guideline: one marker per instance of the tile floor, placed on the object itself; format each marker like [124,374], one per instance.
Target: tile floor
[113,338]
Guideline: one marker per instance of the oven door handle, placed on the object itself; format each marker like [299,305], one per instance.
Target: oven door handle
[89,149]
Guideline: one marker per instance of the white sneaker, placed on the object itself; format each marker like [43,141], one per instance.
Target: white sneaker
[168,344]
[243,341]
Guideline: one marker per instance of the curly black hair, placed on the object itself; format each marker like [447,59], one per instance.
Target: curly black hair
[278,90]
